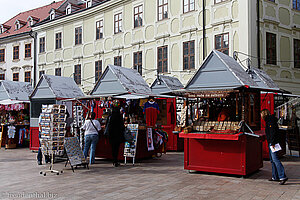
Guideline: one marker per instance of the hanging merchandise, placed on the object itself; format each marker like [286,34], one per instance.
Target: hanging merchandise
[149,139]
[11,132]
[151,110]
[130,147]
[77,123]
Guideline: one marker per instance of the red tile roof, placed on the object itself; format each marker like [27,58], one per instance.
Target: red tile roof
[41,13]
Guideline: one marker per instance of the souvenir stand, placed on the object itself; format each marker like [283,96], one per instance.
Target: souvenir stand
[162,85]
[14,109]
[222,118]
[50,90]
[128,86]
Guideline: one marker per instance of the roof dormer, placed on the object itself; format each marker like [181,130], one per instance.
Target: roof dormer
[32,20]
[4,28]
[72,7]
[68,9]
[19,24]
[55,13]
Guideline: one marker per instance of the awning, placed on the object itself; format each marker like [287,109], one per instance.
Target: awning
[131,96]
[10,101]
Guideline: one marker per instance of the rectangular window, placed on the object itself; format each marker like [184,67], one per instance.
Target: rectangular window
[15,76]
[138,16]
[98,70]
[271,49]
[118,60]
[118,23]
[2,55]
[219,1]
[296,4]
[57,71]
[296,53]
[189,55]
[77,74]
[2,77]
[222,43]
[137,62]
[78,35]
[27,77]
[99,29]
[41,73]
[42,44]
[27,50]
[162,9]
[162,59]
[16,53]
[58,41]
[188,5]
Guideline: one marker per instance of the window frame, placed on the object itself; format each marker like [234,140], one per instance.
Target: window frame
[189,55]
[99,29]
[2,76]
[118,61]
[28,50]
[118,23]
[27,76]
[271,48]
[42,45]
[137,14]
[78,35]
[58,69]
[58,40]
[77,74]
[295,4]
[16,52]
[222,49]
[98,70]
[15,76]
[297,53]
[189,6]
[41,72]
[2,55]
[139,64]
[163,6]
[163,59]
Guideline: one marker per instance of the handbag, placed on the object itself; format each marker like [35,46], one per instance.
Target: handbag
[99,132]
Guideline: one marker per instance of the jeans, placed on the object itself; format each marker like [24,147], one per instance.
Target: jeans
[277,168]
[90,141]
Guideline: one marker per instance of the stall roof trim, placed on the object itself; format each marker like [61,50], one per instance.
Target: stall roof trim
[15,90]
[118,80]
[167,84]
[220,71]
[50,86]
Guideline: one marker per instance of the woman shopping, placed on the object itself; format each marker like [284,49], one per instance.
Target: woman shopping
[91,136]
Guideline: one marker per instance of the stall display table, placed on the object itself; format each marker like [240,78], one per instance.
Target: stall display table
[238,154]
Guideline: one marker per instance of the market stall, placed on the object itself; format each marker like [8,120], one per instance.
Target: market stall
[51,90]
[222,118]
[129,87]
[14,109]
[162,85]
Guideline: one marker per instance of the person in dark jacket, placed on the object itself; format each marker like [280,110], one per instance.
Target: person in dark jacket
[272,132]
[116,131]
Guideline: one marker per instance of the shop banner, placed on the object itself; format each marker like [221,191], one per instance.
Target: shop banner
[149,139]
[130,147]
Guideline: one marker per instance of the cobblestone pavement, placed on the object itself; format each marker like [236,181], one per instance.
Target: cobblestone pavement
[162,178]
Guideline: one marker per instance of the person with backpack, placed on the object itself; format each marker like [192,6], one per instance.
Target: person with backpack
[91,129]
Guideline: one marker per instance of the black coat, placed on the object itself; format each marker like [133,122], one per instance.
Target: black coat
[272,130]
[116,127]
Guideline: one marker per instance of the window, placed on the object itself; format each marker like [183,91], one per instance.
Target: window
[162,9]
[271,49]
[27,77]
[89,3]
[219,1]
[15,76]
[16,53]
[162,59]
[118,23]
[27,50]
[2,55]
[42,44]
[188,5]
[296,4]
[118,60]
[2,77]
[58,41]
[222,43]
[77,74]
[78,35]
[189,55]
[99,29]
[98,69]
[137,62]
[297,53]
[41,73]
[138,16]
[57,71]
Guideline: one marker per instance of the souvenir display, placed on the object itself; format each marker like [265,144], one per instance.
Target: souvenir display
[78,121]
[130,147]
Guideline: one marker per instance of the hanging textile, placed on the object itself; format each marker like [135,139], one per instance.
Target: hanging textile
[149,139]
[151,110]
[11,132]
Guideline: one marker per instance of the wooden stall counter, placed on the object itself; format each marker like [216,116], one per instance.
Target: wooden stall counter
[238,154]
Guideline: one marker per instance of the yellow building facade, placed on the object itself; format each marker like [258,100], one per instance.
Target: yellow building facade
[167,35]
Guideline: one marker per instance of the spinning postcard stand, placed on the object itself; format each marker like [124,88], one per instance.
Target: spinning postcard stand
[53,130]
[130,147]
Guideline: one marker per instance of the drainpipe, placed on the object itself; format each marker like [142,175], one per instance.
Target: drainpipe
[34,36]
[203,12]
[258,34]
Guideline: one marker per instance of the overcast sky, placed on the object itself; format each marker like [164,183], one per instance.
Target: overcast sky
[10,8]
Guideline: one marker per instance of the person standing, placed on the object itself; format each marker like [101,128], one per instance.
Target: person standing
[272,131]
[91,129]
[115,131]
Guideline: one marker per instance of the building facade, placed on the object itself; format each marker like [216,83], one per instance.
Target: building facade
[169,37]
[17,44]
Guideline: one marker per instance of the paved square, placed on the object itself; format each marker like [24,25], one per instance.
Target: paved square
[162,178]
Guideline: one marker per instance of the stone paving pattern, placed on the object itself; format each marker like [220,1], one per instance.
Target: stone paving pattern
[159,178]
